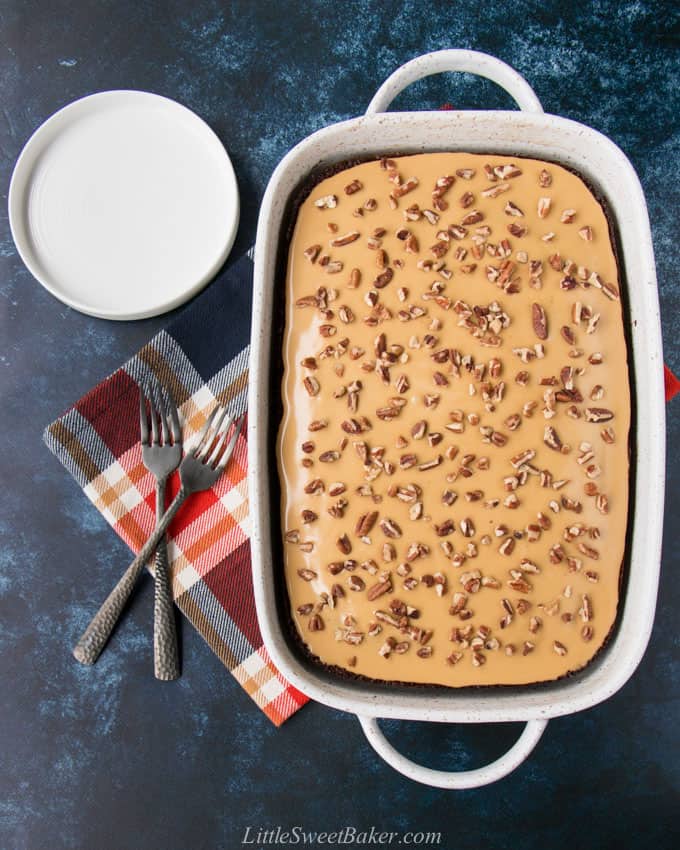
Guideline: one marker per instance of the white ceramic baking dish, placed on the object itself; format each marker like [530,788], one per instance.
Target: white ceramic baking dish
[529,132]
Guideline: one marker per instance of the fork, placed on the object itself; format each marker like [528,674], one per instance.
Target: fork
[161,457]
[199,470]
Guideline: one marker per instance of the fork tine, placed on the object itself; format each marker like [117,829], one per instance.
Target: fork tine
[231,445]
[143,422]
[160,403]
[204,430]
[154,417]
[214,431]
[174,418]
[215,452]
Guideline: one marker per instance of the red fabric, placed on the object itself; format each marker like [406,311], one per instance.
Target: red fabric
[671,383]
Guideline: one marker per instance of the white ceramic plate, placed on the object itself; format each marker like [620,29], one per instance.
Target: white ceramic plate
[123,204]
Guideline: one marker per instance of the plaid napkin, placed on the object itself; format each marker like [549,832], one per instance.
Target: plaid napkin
[202,358]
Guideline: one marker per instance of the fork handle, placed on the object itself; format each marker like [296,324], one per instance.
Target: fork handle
[165,653]
[95,636]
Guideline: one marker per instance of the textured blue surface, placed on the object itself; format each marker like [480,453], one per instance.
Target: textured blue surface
[107,757]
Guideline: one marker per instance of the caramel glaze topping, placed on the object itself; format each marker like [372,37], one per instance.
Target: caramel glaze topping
[454,446]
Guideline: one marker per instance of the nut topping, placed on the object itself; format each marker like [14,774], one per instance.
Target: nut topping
[329,456]
[543,207]
[407,395]
[347,239]
[598,414]
[539,321]
[551,438]
[390,528]
[344,545]
[311,385]
[513,209]
[315,623]
[379,589]
[356,583]
[383,279]
[419,430]
[327,202]
[518,230]
[405,187]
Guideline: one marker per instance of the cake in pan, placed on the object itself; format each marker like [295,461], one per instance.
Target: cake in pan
[453,452]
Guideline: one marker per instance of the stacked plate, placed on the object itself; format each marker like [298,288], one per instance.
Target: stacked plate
[124,204]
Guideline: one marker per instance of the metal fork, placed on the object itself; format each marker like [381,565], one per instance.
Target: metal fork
[161,457]
[199,470]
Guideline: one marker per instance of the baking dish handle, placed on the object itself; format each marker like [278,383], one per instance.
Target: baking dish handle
[469,61]
[453,780]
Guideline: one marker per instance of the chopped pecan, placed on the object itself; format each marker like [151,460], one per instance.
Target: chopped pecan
[568,334]
[598,414]
[326,202]
[329,456]
[390,528]
[559,648]
[315,623]
[344,544]
[513,209]
[543,207]
[365,523]
[314,487]
[379,589]
[383,279]
[346,239]
[405,187]
[345,314]
[445,528]
[518,230]
[430,464]
[473,217]
[551,438]
[539,320]
[506,548]
[312,253]
[307,575]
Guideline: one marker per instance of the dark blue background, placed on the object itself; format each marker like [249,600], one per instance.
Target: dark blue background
[109,758]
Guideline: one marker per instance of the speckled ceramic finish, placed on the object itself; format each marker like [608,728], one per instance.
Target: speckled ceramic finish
[117,760]
[609,171]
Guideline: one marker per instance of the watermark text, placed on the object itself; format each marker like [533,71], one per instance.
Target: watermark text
[346,836]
